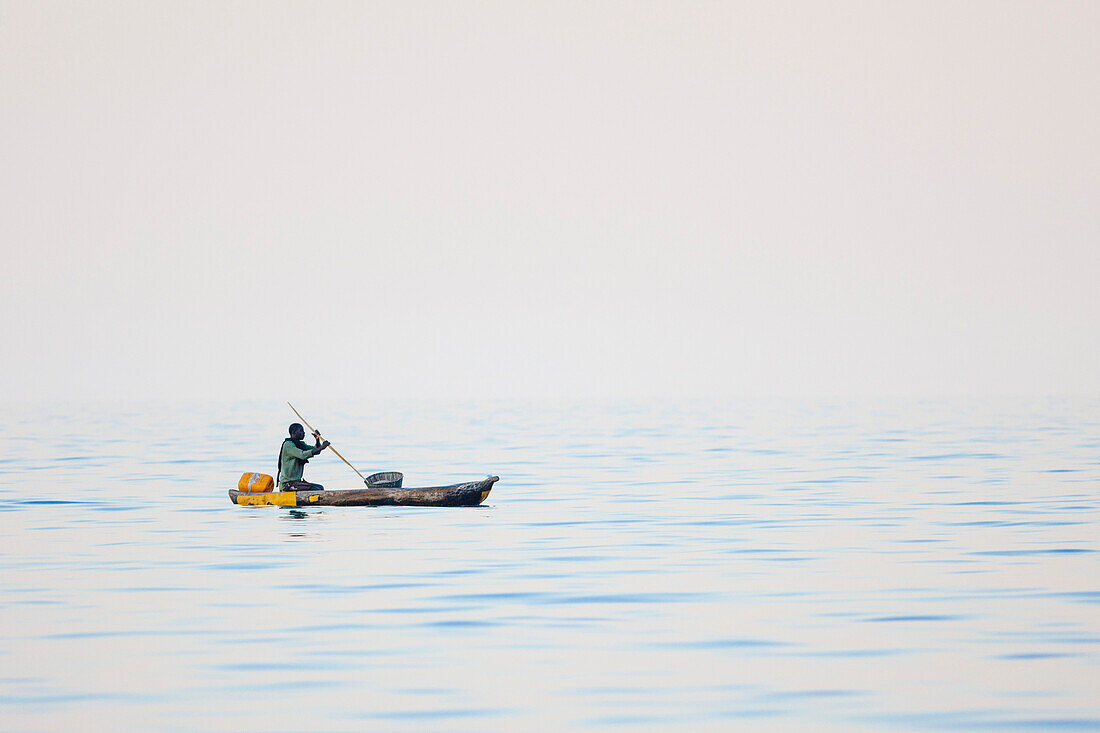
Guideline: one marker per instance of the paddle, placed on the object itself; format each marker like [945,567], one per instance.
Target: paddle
[317,434]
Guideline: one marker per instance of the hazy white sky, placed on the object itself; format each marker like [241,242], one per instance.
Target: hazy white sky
[555,199]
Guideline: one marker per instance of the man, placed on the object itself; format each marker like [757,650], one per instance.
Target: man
[293,457]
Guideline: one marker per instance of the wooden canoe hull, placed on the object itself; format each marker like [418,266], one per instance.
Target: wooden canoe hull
[470,493]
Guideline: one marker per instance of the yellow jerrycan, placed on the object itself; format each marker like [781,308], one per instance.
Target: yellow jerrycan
[255,483]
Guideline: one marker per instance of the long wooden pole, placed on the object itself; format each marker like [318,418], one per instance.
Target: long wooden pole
[317,435]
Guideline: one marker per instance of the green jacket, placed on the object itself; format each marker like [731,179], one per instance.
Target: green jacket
[293,458]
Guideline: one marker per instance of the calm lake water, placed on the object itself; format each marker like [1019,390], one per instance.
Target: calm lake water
[771,566]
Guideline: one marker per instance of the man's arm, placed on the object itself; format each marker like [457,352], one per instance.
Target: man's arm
[318,445]
[295,452]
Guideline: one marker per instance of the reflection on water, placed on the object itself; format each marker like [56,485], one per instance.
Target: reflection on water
[762,566]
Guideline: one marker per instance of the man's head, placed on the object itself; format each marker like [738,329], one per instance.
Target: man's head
[297,431]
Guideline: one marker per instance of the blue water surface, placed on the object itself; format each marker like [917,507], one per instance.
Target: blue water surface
[782,565]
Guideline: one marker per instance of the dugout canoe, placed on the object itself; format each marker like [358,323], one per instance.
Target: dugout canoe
[470,493]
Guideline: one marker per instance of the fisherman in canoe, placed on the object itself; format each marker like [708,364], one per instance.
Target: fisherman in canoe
[293,457]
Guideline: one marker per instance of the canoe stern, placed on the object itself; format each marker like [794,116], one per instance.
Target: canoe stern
[271,498]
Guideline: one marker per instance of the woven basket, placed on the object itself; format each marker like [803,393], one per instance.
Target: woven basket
[385,480]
